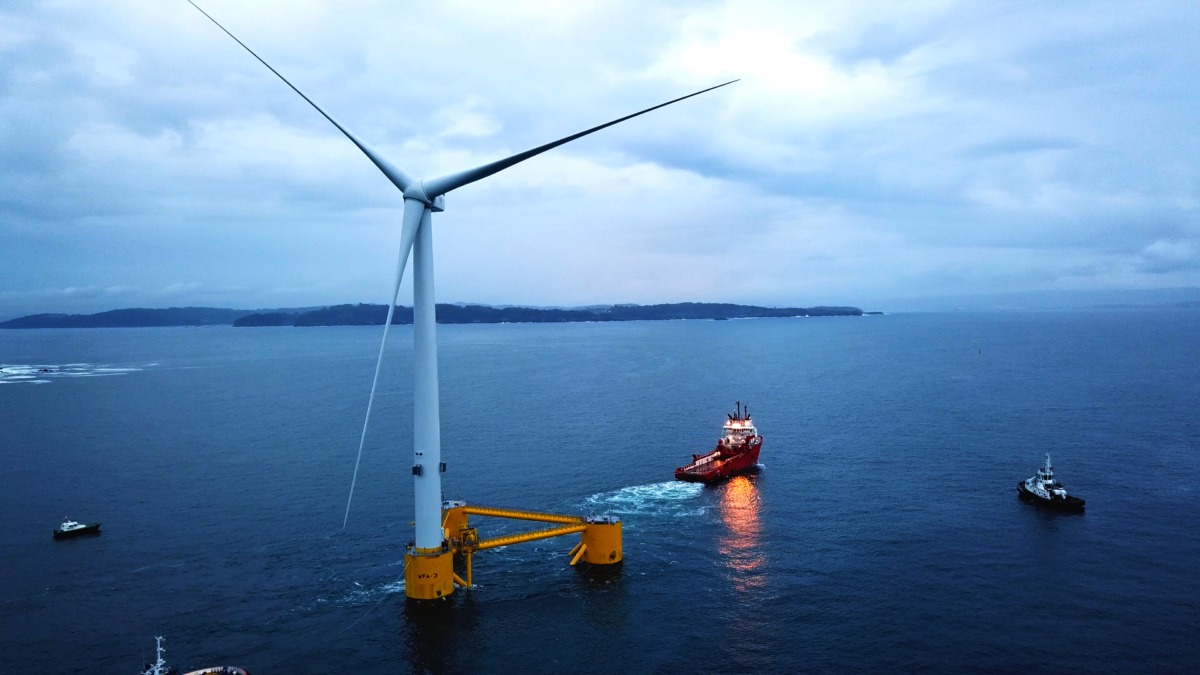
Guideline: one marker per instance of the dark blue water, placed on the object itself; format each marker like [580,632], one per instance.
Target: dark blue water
[882,534]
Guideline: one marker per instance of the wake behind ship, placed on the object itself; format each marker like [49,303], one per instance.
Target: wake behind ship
[736,452]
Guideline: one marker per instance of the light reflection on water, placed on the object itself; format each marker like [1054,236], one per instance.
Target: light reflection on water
[739,546]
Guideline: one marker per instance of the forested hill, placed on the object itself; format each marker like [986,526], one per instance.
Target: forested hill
[133,318]
[144,318]
[374,315]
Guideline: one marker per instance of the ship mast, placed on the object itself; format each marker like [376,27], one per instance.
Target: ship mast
[160,666]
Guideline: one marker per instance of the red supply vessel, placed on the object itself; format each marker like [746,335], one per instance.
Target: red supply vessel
[735,453]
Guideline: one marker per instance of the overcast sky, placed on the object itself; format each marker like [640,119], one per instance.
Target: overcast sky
[872,151]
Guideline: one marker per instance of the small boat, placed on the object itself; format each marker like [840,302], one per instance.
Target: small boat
[1043,489]
[736,452]
[70,528]
[159,667]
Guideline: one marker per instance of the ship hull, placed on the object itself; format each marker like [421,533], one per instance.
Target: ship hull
[88,528]
[726,467]
[1068,505]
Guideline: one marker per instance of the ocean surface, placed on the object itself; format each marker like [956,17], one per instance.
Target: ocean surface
[882,532]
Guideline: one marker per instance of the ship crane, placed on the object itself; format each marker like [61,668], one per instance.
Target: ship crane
[429,557]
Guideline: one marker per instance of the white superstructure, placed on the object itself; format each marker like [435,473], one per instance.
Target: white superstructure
[739,431]
[1044,485]
[739,428]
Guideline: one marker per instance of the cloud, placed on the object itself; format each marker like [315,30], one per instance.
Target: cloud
[1168,256]
[870,151]
[1018,145]
[179,287]
[70,293]
[465,119]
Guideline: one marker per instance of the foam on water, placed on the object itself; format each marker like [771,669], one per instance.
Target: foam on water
[32,374]
[361,595]
[672,499]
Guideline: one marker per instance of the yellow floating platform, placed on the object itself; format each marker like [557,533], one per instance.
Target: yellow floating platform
[429,573]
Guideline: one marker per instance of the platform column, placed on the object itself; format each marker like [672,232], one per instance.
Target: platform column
[428,575]
[602,540]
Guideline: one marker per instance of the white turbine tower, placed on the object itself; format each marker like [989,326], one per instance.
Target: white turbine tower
[430,557]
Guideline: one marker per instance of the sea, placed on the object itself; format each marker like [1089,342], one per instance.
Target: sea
[880,533]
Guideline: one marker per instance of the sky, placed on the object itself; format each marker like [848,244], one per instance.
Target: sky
[873,154]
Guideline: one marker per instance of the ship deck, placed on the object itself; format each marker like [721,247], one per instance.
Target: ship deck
[702,467]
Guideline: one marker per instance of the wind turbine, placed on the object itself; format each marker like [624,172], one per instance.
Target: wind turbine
[429,559]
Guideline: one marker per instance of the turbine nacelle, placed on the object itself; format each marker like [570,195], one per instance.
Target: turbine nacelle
[416,190]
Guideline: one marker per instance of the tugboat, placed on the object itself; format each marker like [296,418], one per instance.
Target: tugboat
[735,453]
[70,528]
[159,667]
[1043,489]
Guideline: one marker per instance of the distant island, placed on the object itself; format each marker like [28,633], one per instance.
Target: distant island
[375,315]
[133,318]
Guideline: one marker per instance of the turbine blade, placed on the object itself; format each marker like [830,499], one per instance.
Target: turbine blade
[440,186]
[414,211]
[398,177]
